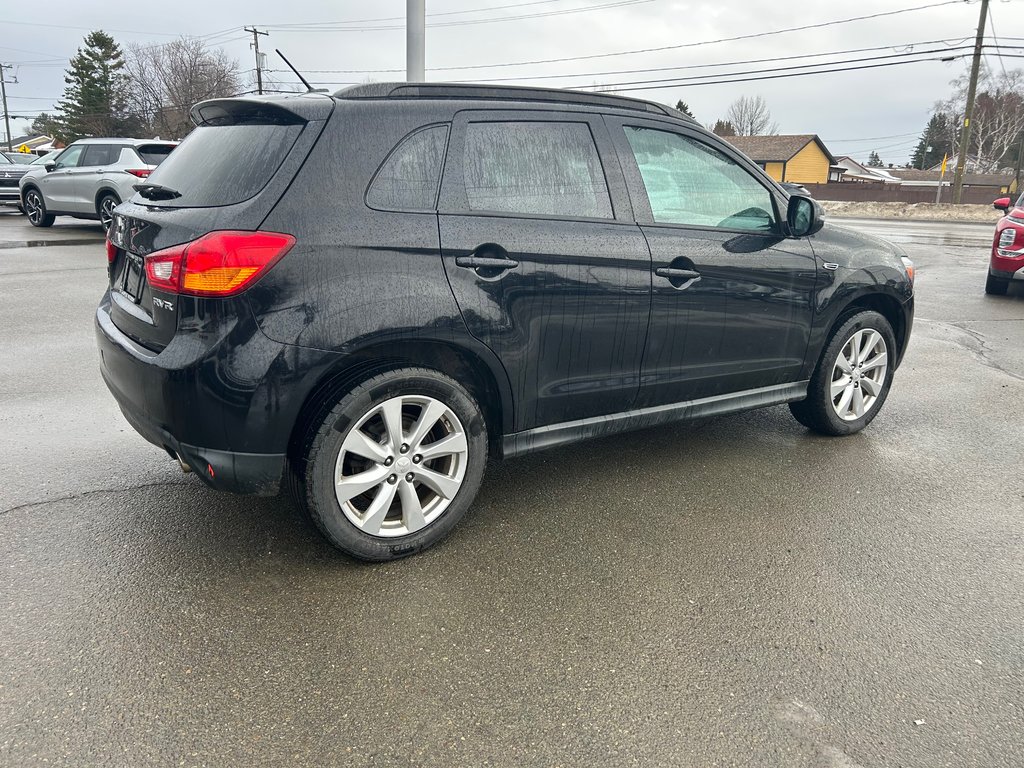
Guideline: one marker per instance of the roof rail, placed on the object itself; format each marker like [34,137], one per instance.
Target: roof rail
[486,92]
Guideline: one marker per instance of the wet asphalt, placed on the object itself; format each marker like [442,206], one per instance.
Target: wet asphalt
[738,592]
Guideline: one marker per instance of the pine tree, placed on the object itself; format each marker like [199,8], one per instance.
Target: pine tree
[683,107]
[95,100]
[723,128]
[874,161]
[935,142]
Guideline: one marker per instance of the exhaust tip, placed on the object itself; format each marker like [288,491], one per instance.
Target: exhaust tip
[181,463]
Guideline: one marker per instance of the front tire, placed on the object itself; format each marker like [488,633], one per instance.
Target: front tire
[395,464]
[35,209]
[996,286]
[105,209]
[852,380]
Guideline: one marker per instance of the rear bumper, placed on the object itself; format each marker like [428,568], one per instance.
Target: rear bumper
[1008,274]
[227,415]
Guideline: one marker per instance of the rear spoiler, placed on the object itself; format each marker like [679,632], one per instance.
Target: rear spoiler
[286,109]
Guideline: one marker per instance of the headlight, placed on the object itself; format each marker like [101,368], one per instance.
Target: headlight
[908,265]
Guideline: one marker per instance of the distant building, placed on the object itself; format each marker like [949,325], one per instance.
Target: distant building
[849,170]
[38,145]
[800,159]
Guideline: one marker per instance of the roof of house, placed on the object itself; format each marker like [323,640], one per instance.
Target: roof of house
[776,149]
[33,141]
[857,170]
[971,179]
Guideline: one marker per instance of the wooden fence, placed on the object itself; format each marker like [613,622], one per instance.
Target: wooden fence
[897,193]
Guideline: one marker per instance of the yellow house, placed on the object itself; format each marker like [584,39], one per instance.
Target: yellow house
[800,159]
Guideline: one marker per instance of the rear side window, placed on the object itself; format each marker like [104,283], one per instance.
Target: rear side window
[100,154]
[226,162]
[407,181]
[550,169]
[154,154]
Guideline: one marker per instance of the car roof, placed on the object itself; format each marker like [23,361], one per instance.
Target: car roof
[522,94]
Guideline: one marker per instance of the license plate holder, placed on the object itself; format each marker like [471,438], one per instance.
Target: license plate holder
[131,279]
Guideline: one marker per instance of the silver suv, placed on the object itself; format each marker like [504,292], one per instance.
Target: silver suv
[89,178]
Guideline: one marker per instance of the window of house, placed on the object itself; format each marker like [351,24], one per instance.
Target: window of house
[689,182]
[407,181]
[549,169]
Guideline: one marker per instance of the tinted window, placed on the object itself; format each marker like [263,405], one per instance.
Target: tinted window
[689,182]
[154,154]
[407,181]
[225,164]
[100,154]
[69,157]
[551,169]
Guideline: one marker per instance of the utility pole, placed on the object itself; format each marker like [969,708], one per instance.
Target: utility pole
[256,46]
[3,93]
[415,44]
[965,134]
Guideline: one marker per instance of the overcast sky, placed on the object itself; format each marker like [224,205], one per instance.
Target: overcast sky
[847,109]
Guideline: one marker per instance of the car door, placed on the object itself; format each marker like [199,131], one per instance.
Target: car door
[58,185]
[547,265]
[731,299]
[88,174]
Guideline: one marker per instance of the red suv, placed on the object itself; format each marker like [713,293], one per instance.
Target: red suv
[1007,262]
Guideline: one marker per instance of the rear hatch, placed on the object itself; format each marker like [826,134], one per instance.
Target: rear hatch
[228,174]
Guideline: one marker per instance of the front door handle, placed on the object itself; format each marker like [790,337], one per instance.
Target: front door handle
[485,262]
[677,274]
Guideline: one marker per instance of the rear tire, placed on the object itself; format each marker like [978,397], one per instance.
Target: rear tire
[105,209]
[996,286]
[395,464]
[851,382]
[35,209]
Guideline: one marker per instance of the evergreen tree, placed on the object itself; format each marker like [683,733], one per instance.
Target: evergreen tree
[723,128]
[935,142]
[95,100]
[683,107]
[874,161]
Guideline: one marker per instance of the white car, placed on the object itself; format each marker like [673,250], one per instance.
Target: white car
[89,178]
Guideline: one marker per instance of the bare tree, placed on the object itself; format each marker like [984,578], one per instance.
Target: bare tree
[750,116]
[997,122]
[167,80]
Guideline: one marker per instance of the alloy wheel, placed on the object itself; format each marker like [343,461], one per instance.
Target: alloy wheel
[401,465]
[858,376]
[34,207]
[107,206]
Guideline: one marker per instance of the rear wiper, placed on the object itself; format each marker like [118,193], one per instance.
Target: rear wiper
[156,191]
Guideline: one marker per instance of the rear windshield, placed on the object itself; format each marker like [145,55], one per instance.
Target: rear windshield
[154,154]
[223,164]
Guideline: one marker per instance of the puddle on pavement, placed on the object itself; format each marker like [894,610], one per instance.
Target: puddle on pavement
[48,243]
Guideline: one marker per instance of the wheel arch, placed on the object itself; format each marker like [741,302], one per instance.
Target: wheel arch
[887,306]
[104,190]
[488,387]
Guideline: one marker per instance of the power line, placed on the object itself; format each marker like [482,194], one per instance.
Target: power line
[429,15]
[992,26]
[750,36]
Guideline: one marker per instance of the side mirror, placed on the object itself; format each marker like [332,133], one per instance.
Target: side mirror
[1002,204]
[49,166]
[805,216]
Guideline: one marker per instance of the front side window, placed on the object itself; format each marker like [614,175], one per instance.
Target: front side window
[69,157]
[548,169]
[691,183]
[407,181]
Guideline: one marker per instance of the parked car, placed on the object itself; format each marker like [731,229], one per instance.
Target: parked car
[366,297]
[19,158]
[10,175]
[89,178]
[1006,262]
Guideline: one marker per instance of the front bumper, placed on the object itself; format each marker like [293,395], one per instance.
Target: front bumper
[207,407]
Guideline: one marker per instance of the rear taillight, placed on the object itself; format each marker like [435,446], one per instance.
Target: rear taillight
[111,252]
[217,264]
[142,173]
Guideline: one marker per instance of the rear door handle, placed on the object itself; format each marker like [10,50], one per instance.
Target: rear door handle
[677,274]
[485,262]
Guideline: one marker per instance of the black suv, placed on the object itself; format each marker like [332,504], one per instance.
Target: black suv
[365,296]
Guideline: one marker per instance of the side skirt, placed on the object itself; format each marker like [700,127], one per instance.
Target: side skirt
[554,435]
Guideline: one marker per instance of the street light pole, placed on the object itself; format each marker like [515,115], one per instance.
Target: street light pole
[415,43]
[965,135]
